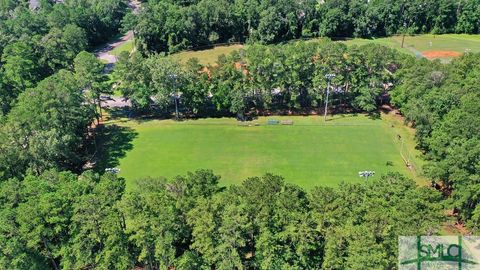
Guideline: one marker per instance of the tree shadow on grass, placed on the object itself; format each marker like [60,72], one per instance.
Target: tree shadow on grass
[113,143]
[119,112]
[375,115]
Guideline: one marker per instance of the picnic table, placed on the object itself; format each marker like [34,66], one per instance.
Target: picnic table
[272,122]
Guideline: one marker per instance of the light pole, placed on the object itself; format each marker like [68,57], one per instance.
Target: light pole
[175,94]
[366,174]
[329,77]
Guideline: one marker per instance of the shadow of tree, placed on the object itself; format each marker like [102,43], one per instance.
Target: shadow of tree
[116,112]
[113,143]
[375,115]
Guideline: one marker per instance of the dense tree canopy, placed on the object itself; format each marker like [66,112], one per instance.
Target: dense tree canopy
[47,127]
[442,102]
[35,43]
[64,221]
[263,77]
[170,26]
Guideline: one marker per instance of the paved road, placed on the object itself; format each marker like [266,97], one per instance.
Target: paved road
[104,53]
[110,102]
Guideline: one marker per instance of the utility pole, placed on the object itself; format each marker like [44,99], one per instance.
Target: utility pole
[329,77]
[175,94]
[176,106]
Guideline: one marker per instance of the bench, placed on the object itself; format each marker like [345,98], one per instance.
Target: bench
[272,122]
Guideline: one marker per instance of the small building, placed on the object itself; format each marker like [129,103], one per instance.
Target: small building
[34,4]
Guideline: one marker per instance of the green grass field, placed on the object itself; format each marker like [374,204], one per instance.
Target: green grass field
[125,47]
[308,153]
[419,44]
[208,56]
[413,45]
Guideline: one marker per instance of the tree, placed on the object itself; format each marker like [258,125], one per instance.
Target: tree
[329,58]
[374,76]
[445,18]
[47,127]
[154,223]
[266,68]
[14,253]
[62,220]
[60,46]
[218,232]
[378,212]
[230,89]
[283,231]
[4,98]
[270,26]
[89,72]
[98,239]
[454,153]
[168,81]
[333,24]
[20,70]
[158,211]
[468,19]
[133,79]
[195,94]
[44,214]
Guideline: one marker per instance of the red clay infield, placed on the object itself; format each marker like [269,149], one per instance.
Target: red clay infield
[440,54]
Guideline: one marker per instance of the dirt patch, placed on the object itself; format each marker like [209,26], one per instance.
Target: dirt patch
[453,226]
[440,54]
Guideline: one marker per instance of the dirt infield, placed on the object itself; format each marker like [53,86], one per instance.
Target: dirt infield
[440,54]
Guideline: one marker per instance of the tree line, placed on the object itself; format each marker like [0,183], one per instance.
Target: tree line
[51,124]
[174,25]
[442,102]
[262,78]
[59,220]
[36,43]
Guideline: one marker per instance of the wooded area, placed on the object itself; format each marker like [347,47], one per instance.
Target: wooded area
[171,26]
[263,78]
[35,44]
[54,215]
[64,221]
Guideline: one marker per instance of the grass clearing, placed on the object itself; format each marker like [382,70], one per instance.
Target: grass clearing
[419,44]
[208,56]
[308,153]
[414,45]
[448,42]
[127,46]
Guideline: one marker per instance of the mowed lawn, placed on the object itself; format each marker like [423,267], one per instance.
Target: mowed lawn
[207,56]
[421,44]
[308,153]
[414,45]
